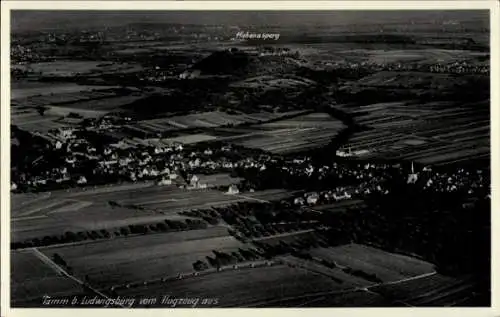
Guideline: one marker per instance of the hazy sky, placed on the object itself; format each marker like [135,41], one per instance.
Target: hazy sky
[38,20]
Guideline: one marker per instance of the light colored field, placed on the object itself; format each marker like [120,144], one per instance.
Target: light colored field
[31,279]
[107,104]
[387,266]
[217,118]
[218,179]
[143,258]
[272,82]
[435,290]
[32,89]
[244,288]
[289,135]
[72,68]
[430,133]
[160,202]
[287,140]
[269,194]
[190,139]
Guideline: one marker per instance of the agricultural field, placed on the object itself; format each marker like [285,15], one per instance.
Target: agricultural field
[26,90]
[207,120]
[108,104]
[263,286]
[190,138]
[347,299]
[69,68]
[108,263]
[269,195]
[388,267]
[290,135]
[37,216]
[434,290]
[215,180]
[341,206]
[269,82]
[432,133]
[33,278]
[30,120]
[289,237]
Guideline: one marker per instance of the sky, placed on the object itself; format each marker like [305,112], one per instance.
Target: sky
[47,20]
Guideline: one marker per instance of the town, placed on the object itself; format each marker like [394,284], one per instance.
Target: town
[331,166]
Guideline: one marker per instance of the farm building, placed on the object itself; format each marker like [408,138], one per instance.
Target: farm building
[312,198]
[164,181]
[233,189]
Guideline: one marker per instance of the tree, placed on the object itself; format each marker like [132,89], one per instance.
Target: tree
[124,231]
[200,265]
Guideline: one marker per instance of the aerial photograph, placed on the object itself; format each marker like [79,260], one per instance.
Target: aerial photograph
[264,159]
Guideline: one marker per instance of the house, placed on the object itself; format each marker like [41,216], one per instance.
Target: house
[312,198]
[172,176]
[194,180]
[165,171]
[233,189]
[154,172]
[165,181]
[82,180]
[299,201]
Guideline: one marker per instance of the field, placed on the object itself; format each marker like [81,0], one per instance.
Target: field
[290,135]
[388,267]
[435,290]
[32,278]
[204,120]
[28,90]
[263,286]
[36,216]
[272,82]
[67,68]
[431,133]
[109,262]
[341,206]
[218,179]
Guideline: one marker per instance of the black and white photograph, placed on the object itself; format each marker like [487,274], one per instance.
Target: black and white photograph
[250,159]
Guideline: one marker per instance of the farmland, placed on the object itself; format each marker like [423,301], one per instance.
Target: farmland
[266,286]
[290,135]
[37,216]
[68,68]
[388,267]
[203,120]
[349,145]
[434,290]
[108,263]
[32,279]
[415,131]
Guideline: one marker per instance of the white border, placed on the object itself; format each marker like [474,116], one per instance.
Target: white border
[6,6]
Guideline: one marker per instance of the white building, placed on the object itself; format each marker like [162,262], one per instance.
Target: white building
[82,180]
[194,180]
[312,198]
[165,181]
[413,177]
[233,189]
[299,201]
